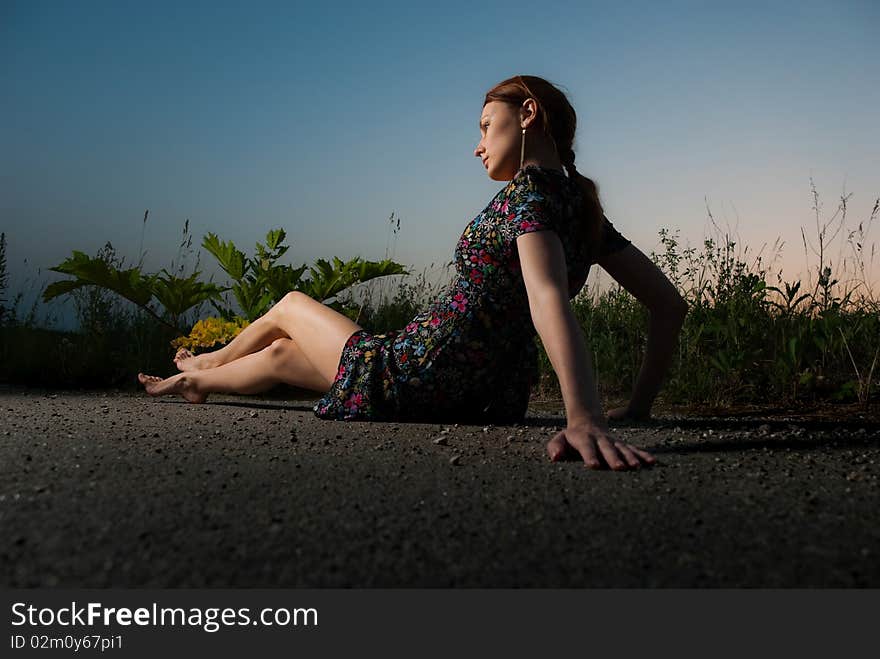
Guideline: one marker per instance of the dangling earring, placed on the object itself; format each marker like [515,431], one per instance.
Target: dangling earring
[522,151]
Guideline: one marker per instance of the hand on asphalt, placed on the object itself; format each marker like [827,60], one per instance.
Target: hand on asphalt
[597,447]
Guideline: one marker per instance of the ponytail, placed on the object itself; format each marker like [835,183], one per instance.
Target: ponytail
[593,212]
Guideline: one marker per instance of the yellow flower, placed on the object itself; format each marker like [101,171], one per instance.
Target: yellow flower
[210,331]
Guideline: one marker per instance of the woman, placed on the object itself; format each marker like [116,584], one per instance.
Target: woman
[470,357]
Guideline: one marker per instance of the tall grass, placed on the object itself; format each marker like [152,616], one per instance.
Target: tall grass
[744,340]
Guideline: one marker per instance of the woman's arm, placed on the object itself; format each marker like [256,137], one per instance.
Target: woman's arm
[544,272]
[543,267]
[646,282]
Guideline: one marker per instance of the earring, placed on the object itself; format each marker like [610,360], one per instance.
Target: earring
[522,151]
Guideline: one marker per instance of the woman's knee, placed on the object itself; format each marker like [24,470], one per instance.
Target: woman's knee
[280,350]
[287,302]
[294,298]
[293,304]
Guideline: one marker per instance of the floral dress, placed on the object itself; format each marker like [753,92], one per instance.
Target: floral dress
[470,357]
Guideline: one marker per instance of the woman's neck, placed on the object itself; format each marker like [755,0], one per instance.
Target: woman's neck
[547,161]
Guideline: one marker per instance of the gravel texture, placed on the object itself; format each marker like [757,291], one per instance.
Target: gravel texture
[123,490]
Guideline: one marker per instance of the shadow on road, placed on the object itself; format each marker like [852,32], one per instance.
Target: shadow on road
[774,444]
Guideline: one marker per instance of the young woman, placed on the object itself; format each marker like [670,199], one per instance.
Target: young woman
[470,357]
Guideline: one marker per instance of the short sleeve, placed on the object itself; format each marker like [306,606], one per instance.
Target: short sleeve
[611,240]
[525,209]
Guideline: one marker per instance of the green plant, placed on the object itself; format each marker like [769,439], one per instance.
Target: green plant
[255,280]
[788,297]
[259,282]
[175,294]
[98,310]
[863,381]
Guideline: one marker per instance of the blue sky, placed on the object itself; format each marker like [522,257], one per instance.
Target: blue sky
[323,118]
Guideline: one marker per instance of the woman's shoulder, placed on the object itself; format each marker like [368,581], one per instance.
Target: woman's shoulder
[542,181]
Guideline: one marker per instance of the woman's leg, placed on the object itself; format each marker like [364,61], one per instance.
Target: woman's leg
[256,336]
[281,361]
[309,360]
[274,324]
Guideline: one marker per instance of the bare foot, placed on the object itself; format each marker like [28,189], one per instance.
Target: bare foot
[186,361]
[176,384]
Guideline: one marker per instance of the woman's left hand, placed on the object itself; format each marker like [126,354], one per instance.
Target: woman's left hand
[597,446]
[625,413]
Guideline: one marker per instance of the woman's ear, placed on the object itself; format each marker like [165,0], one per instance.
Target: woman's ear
[527,112]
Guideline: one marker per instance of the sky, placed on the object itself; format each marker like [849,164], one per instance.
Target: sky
[326,118]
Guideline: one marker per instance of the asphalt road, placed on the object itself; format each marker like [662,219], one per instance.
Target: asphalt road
[124,490]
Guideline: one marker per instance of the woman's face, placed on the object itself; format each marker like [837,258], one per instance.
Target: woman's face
[500,143]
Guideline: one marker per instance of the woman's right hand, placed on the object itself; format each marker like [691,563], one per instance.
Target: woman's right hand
[596,446]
